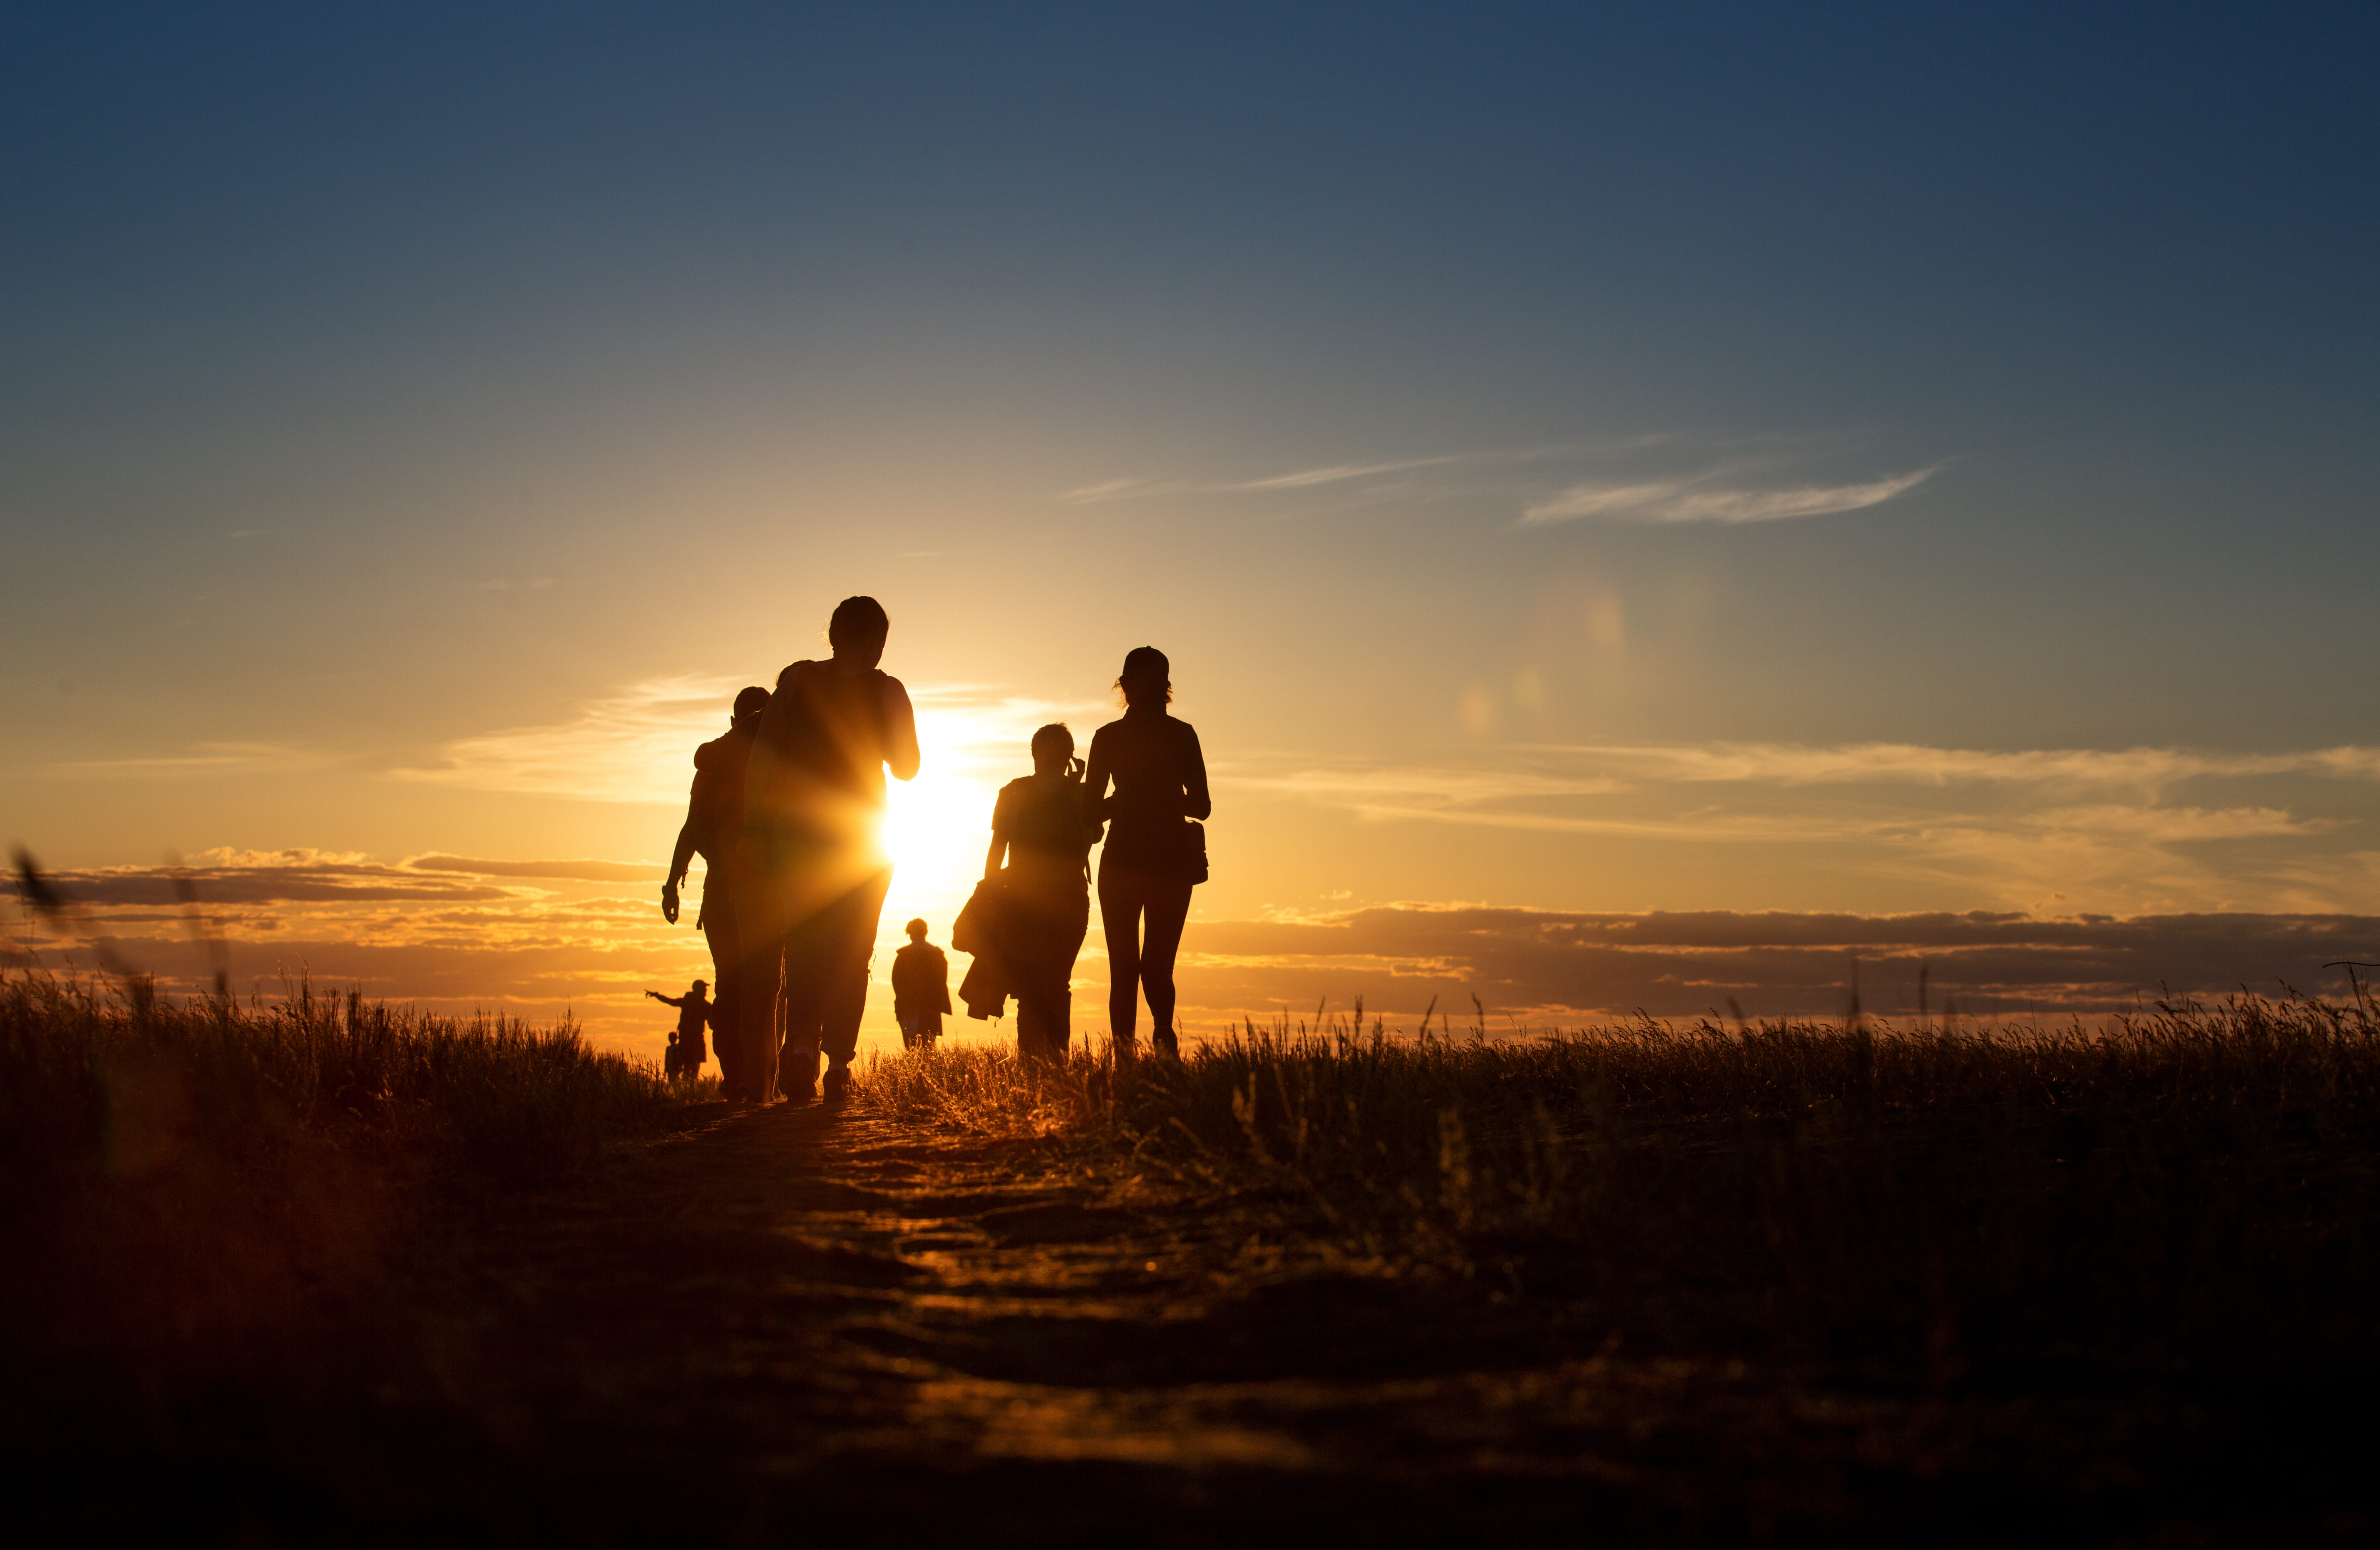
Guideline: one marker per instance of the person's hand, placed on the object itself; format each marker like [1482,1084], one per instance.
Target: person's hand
[669,902]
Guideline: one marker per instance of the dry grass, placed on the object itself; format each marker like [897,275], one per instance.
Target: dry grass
[179,1181]
[2190,1190]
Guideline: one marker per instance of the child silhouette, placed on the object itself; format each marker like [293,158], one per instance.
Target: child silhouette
[684,1058]
[921,989]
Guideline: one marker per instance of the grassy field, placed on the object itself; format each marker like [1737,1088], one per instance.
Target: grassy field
[2192,1191]
[1823,1283]
[182,1185]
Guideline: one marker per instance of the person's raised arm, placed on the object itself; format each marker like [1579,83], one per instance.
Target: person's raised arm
[1195,802]
[901,753]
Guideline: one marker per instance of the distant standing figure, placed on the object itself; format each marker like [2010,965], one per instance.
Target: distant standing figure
[813,815]
[730,917]
[1155,854]
[921,989]
[684,1056]
[1041,823]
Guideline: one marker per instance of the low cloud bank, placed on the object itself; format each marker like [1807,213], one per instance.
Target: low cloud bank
[1681,964]
[538,937]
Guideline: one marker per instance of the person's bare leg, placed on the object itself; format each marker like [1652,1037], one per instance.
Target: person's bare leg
[1168,906]
[727,955]
[760,943]
[853,924]
[805,1011]
[1120,922]
[1067,946]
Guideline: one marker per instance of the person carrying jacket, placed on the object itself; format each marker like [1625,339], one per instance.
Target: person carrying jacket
[1041,826]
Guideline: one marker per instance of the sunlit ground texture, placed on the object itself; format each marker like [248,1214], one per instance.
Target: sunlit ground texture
[1805,1283]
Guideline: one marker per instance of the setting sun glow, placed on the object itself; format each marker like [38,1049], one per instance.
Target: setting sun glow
[939,825]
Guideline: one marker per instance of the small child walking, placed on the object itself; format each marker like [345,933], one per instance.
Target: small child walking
[683,1059]
[921,989]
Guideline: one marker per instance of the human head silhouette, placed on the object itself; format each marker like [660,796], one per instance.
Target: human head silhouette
[918,930]
[749,702]
[1053,746]
[702,984]
[1147,678]
[856,631]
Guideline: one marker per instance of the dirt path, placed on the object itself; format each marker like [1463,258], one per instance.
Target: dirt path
[809,1316]
[807,1322]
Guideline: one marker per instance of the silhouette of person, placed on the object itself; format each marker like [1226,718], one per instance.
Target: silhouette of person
[684,1056]
[813,817]
[714,830]
[1153,855]
[1041,822]
[921,989]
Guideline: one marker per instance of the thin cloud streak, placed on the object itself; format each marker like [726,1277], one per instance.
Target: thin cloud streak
[2152,825]
[1596,769]
[1304,479]
[1727,494]
[585,871]
[1697,500]
[204,761]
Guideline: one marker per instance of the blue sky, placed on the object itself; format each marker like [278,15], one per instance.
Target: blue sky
[1510,410]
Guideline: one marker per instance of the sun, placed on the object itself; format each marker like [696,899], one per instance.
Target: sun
[937,827]
[935,832]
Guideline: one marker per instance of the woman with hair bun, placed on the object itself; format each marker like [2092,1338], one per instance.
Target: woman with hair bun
[1155,852]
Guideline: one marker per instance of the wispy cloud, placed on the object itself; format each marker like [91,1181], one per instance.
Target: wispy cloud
[1653,480]
[634,744]
[2147,770]
[1529,772]
[204,760]
[1302,479]
[1713,497]
[567,871]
